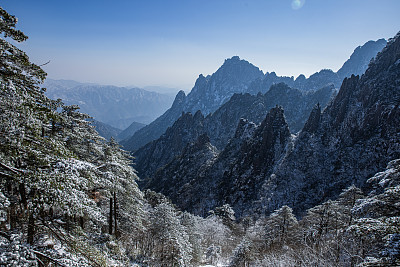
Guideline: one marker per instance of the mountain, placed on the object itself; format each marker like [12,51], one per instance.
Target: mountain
[200,179]
[359,60]
[116,106]
[356,64]
[264,167]
[161,151]
[240,76]
[208,93]
[220,126]
[155,129]
[128,132]
[105,130]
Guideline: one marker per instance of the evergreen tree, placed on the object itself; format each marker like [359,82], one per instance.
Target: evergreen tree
[173,247]
[281,224]
[376,227]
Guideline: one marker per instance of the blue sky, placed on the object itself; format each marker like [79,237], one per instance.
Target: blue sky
[169,43]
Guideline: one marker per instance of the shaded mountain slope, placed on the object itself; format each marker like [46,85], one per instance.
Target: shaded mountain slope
[128,132]
[161,151]
[105,130]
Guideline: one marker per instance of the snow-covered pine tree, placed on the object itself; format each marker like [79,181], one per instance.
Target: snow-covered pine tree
[53,163]
[280,226]
[377,223]
[172,246]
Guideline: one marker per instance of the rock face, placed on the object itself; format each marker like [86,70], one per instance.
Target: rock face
[116,106]
[239,76]
[253,160]
[264,167]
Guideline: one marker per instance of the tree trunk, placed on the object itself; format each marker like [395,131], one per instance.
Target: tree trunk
[110,222]
[12,216]
[81,222]
[67,223]
[22,193]
[115,215]
[31,229]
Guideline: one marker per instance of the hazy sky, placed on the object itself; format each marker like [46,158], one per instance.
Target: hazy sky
[169,43]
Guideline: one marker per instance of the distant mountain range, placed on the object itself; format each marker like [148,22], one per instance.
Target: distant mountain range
[264,166]
[115,106]
[240,76]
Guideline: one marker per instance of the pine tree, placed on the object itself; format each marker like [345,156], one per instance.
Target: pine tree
[280,226]
[376,227]
[173,247]
[55,169]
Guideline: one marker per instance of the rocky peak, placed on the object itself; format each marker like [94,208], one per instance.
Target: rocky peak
[360,58]
[179,99]
[210,92]
[312,123]
[274,129]
[245,129]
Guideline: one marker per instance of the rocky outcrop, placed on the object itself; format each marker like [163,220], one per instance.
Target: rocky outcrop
[241,182]
[221,124]
[200,179]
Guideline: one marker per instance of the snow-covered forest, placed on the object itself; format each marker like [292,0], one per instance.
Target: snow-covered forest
[68,197]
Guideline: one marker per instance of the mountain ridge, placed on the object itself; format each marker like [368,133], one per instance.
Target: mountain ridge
[210,92]
[116,106]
